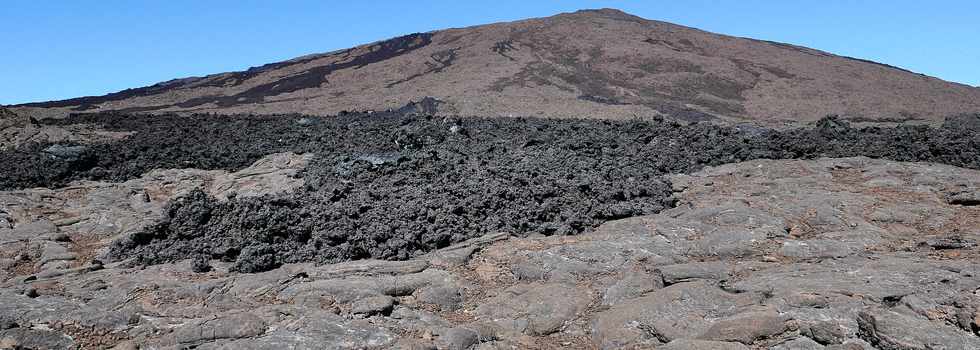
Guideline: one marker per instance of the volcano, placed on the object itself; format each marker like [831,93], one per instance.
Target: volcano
[591,63]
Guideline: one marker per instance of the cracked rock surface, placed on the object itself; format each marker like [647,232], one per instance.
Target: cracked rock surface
[831,253]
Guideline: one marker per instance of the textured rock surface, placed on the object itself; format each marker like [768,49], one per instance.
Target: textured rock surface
[394,186]
[884,266]
[17,130]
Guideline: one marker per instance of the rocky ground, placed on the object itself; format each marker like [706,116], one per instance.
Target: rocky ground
[16,130]
[849,253]
[821,253]
[391,186]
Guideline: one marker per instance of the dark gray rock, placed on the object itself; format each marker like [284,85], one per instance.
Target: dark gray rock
[969,122]
[201,264]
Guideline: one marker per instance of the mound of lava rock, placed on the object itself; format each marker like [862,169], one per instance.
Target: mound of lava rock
[391,186]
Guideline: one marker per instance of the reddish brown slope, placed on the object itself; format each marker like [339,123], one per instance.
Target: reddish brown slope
[595,63]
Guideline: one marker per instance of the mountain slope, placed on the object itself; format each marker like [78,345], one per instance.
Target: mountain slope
[592,63]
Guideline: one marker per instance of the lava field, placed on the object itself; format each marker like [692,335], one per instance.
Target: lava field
[391,186]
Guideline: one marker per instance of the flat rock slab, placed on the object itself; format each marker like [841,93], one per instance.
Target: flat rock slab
[234,326]
[748,327]
[535,309]
[677,312]
[316,330]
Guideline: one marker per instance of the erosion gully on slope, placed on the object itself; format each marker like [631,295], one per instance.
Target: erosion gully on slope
[391,186]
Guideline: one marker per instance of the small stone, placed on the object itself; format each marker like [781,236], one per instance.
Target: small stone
[31,293]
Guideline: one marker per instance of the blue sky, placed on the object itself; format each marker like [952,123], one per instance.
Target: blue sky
[62,49]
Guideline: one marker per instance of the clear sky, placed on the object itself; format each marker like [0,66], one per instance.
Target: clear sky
[68,48]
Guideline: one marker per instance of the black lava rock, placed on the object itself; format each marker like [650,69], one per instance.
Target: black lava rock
[392,186]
